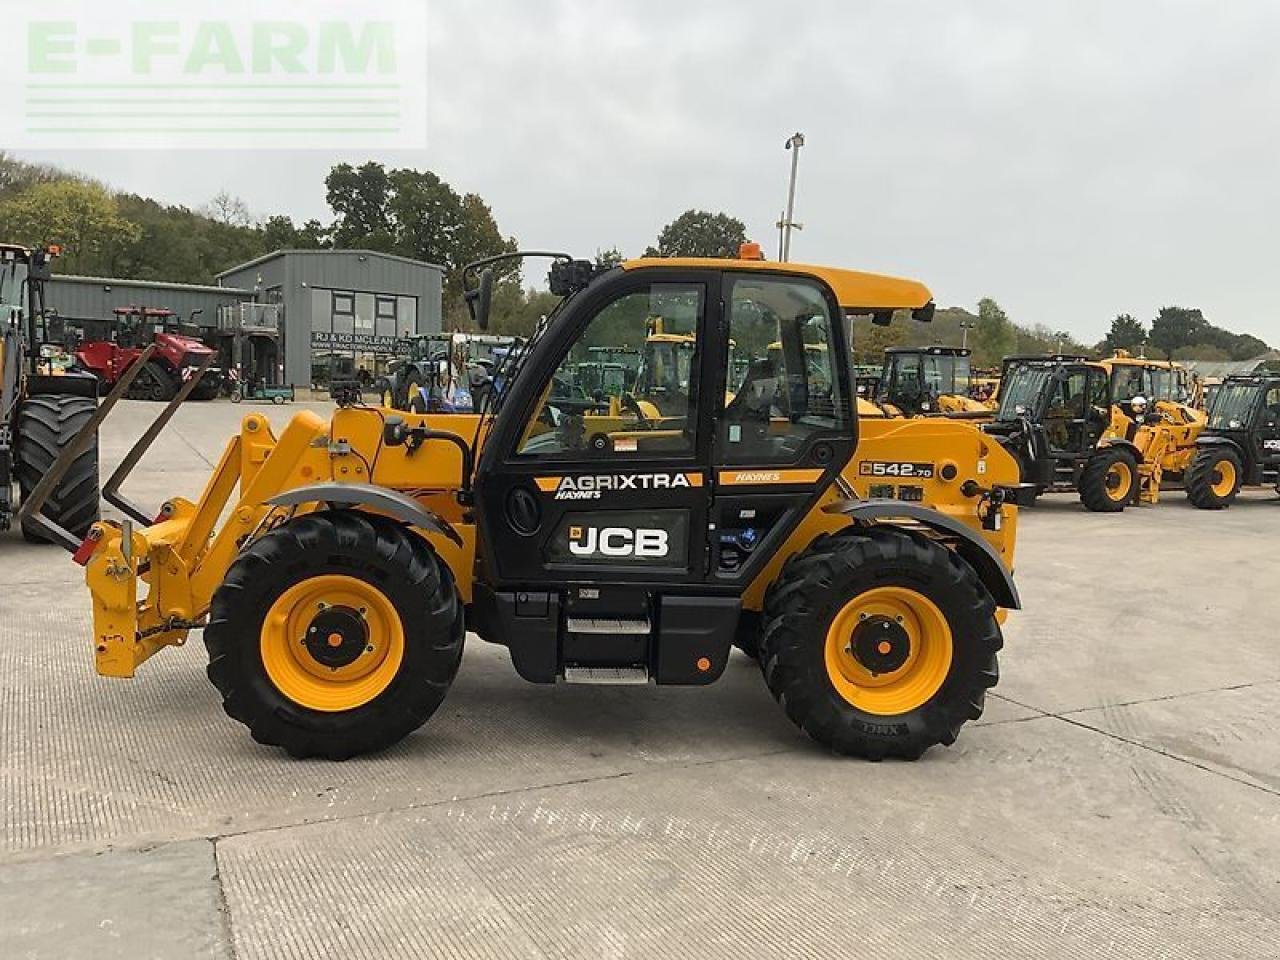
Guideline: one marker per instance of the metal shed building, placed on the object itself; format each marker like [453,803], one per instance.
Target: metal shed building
[335,304]
[90,299]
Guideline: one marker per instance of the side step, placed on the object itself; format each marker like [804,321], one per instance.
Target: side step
[607,676]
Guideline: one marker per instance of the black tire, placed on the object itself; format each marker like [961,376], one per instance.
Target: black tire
[1206,472]
[1102,488]
[407,572]
[812,589]
[46,425]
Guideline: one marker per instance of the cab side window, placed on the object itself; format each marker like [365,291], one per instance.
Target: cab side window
[780,386]
[628,384]
[1271,412]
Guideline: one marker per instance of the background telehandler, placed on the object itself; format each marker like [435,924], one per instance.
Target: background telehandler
[1240,446]
[336,568]
[1110,429]
[41,410]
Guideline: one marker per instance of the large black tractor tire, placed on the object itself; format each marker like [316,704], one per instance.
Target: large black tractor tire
[887,599]
[46,425]
[297,684]
[1109,481]
[1213,479]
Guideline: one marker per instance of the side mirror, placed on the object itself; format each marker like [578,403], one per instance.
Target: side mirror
[924,314]
[480,299]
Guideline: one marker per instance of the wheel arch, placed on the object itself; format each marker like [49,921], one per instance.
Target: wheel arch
[1118,443]
[1228,442]
[393,503]
[968,545]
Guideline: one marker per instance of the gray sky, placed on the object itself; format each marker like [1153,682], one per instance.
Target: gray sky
[1071,158]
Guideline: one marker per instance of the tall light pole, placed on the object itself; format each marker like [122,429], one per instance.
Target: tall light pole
[965,327]
[788,223]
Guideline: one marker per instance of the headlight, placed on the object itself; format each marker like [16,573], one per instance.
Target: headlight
[1019,409]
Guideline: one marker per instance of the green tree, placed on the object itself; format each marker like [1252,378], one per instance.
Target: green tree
[359,198]
[994,337]
[81,216]
[605,259]
[279,233]
[1126,333]
[1201,351]
[17,176]
[697,233]
[1176,327]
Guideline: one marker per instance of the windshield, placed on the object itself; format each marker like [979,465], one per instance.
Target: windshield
[1233,406]
[12,277]
[1021,390]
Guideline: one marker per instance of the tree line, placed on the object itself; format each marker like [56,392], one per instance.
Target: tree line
[416,214]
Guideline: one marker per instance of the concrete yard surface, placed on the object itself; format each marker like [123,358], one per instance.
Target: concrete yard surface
[1119,798]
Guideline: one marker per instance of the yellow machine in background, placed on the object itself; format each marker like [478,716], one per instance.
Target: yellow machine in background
[927,381]
[1111,429]
[335,568]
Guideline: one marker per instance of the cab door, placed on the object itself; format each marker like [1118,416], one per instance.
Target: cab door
[1267,436]
[785,424]
[579,484]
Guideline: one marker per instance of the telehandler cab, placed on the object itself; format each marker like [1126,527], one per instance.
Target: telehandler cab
[926,381]
[356,553]
[1240,446]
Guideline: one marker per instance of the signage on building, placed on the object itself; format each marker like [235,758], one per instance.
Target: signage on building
[372,343]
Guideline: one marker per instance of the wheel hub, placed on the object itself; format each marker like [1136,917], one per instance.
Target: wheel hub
[336,637]
[880,644]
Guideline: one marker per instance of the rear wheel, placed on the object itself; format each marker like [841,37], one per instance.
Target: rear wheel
[878,643]
[1109,480]
[336,634]
[46,426]
[1213,479]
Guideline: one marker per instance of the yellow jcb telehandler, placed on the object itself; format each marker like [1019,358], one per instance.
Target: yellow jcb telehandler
[336,568]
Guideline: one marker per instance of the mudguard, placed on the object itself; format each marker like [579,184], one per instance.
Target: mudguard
[391,502]
[1108,442]
[971,547]
[1220,442]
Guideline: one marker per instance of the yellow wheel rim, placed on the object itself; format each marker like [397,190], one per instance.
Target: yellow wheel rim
[1119,481]
[332,643]
[1225,473]
[888,650]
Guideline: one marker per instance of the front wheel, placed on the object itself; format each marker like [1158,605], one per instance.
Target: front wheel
[336,634]
[879,643]
[1109,480]
[1213,479]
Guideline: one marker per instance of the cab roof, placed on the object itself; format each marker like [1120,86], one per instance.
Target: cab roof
[933,351]
[854,289]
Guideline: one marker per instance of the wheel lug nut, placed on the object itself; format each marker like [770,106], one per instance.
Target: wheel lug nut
[369,648]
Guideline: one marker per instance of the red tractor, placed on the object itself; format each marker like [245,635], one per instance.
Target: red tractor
[175,357]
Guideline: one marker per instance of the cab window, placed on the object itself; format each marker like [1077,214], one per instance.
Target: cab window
[1271,410]
[644,401]
[1127,382]
[781,387]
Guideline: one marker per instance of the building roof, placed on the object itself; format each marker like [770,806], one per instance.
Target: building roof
[275,254]
[1219,369]
[853,289]
[153,284]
